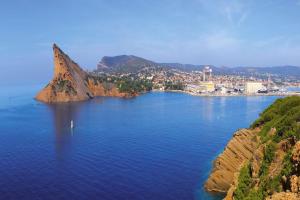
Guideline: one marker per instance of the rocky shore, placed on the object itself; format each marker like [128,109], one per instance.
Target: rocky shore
[239,150]
[232,95]
[263,161]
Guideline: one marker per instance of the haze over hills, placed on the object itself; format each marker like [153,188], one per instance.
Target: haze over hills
[124,63]
[133,64]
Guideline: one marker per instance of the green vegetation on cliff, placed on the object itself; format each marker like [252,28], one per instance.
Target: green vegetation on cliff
[243,187]
[63,85]
[279,128]
[284,115]
[134,85]
[126,84]
[169,85]
[268,158]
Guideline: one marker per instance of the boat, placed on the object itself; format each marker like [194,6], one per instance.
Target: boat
[72,124]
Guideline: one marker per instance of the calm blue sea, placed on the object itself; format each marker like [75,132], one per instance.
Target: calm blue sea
[159,146]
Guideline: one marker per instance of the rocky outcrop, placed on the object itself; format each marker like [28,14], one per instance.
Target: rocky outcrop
[230,192]
[239,150]
[284,196]
[294,180]
[71,83]
[271,166]
[106,89]
[296,157]
[277,163]
[256,161]
[295,183]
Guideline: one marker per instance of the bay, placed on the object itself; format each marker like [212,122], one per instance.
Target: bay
[155,146]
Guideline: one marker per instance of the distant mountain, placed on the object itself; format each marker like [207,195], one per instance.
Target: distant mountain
[184,67]
[124,63]
[133,64]
[277,70]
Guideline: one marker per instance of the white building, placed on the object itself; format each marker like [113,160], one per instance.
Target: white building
[253,87]
[207,73]
[223,90]
[193,88]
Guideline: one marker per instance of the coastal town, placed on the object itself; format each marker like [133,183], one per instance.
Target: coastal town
[130,76]
[205,83]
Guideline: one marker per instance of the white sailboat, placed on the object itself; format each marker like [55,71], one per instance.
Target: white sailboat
[72,124]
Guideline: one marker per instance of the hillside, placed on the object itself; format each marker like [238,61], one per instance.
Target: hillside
[266,165]
[133,64]
[124,63]
[280,71]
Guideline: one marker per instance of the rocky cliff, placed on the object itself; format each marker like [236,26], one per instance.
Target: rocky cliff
[71,83]
[262,162]
[239,149]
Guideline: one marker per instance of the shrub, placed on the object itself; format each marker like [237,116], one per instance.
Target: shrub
[244,183]
[268,158]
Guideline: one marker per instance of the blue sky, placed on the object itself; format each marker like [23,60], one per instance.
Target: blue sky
[220,32]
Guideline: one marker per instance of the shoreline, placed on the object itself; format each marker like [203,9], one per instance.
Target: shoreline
[232,95]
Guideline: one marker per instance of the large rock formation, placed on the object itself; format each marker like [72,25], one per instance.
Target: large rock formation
[269,154]
[239,149]
[71,83]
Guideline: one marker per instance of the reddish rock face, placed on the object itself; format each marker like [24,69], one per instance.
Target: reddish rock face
[296,153]
[239,150]
[71,83]
[284,196]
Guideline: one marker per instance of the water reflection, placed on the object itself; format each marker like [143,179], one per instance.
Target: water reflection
[208,109]
[62,116]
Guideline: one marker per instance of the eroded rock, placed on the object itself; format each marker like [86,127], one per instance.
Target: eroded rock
[71,83]
[239,149]
[257,159]
[294,184]
[284,196]
[296,157]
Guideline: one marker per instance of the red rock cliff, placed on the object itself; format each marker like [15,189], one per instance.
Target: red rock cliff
[239,149]
[71,83]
